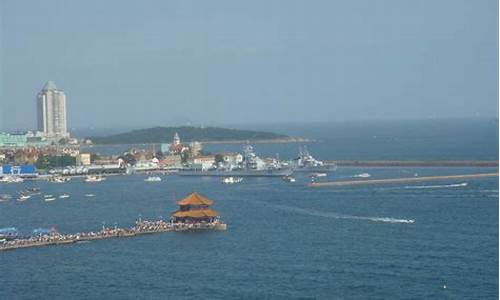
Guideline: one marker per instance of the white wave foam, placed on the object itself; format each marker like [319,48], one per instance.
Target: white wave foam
[340,216]
[436,186]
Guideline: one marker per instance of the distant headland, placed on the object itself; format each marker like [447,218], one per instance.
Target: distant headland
[191,133]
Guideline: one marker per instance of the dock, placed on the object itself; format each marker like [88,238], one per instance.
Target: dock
[399,180]
[141,227]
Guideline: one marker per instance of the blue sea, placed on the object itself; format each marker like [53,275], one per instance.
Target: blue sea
[432,240]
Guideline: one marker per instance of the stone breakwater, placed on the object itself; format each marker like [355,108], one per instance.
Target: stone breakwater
[399,180]
[141,228]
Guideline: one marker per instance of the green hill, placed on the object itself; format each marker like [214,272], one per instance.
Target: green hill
[187,134]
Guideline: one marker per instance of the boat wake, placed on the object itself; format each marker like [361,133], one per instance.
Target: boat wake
[455,185]
[339,216]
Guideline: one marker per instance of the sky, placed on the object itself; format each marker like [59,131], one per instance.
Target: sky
[164,62]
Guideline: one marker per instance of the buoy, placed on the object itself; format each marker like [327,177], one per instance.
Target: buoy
[444,286]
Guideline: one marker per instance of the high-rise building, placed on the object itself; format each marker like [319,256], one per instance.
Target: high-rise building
[51,108]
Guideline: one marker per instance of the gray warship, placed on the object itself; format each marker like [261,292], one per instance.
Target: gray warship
[250,166]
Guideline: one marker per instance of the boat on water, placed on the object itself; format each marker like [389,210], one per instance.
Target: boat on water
[11,179]
[231,180]
[64,196]
[50,199]
[5,197]
[48,196]
[89,195]
[288,179]
[94,178]
[250,166]
[305,162]
[153,179]
[22,198]
[362,175]
[316,175]
[59,179]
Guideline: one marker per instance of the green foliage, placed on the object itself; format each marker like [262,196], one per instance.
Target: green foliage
[59,161]
[187,134]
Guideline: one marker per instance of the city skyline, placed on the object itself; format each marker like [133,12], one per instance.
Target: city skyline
[178,62]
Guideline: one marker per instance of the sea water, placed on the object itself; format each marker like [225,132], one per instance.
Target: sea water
[432,240]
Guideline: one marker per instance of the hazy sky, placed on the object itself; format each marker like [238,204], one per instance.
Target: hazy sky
[142,63]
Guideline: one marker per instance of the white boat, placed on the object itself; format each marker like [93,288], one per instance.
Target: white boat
[89,195]
[5,197]
[50,199]
[23,198]
[94,178]
[11,179]
[314,175]
[362,175]
[153,179]
[64,196]
[59,179]
[231,180]
[47,196]
[288,179]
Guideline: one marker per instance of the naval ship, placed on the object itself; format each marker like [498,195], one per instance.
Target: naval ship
[252,165]
[305,162]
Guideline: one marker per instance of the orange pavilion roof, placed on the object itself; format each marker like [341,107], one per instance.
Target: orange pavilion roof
[195,199]
[199,213]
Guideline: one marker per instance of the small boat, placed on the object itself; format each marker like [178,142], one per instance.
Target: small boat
[23,198]
[232,180]
[153,179]
[11,179]
[362,175]
[5,197]
[47,196]
[59,179]
[288,179]
[50,199]
[94,178]
[314,175]
[64,196]
[89,195]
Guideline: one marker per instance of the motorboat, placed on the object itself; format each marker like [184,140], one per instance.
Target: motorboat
[94,178]
[89,195]
[315,175]
[59,179]
[362,175]
[232,180]
[153,179]
[11,179]
[64,196]
[288,179]
[50,199]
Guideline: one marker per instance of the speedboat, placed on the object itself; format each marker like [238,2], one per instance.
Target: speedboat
[89,195]
[288,179]
[362,175]
[59,179]
[23,198]
[11,179]
[153,179]
[231,180]
[64,196]
[314,175]
[94,178]
[50,199]
[5,197]
[47,196]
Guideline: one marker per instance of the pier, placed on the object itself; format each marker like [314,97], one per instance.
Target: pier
[142,227]
[399,180]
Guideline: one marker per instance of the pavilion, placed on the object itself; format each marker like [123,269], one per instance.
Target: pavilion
[195,209]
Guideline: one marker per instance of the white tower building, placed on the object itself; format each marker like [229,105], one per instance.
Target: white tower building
[51,108]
